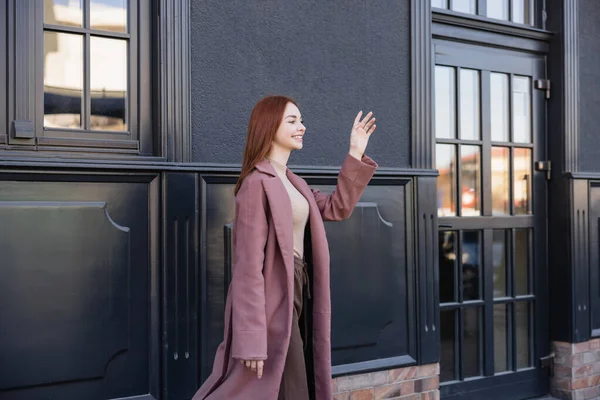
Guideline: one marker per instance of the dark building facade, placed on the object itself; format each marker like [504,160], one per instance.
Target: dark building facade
[469,269]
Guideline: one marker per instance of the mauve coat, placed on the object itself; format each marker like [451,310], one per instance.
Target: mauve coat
[258,310]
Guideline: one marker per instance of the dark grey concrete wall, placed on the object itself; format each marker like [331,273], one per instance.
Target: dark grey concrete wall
[333,57]
[589,59]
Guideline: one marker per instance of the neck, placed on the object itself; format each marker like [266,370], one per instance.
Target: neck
[278,155]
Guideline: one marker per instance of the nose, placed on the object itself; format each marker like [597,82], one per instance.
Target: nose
[302,128]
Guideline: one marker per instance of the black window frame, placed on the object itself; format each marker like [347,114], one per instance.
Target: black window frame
[140,138]
[539,12]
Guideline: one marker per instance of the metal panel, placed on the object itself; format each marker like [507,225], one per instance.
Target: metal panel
[78,298]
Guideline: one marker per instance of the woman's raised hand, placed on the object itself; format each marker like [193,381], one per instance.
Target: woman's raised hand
[254,365]
[361,132]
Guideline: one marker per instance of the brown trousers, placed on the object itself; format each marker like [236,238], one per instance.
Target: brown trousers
[294,384]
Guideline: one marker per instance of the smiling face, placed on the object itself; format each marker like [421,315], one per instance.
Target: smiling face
[291,130]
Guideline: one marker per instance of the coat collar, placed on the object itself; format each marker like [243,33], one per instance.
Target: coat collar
[265,167]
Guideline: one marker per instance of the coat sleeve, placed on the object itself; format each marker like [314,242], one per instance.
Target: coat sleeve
[352,181]
[249,330]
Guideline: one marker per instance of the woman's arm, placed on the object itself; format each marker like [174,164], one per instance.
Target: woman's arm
[352,180]
[249,335]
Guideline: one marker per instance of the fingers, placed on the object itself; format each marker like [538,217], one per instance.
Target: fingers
[367,118]
[371,130]
[259,369]
[368,125]
[357,118]
[257,366]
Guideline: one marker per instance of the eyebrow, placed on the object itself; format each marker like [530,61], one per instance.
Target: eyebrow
[293,116]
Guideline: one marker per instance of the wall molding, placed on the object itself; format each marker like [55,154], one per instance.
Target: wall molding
[175,71]
[421,85]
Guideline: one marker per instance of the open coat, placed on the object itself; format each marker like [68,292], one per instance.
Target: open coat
[258,310]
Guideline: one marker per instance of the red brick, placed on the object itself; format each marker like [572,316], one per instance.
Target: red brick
[393,390]
[427,370]
[584,370]
[409,397]
[562,347]
[590,393]
[379,378]
[575,360]
[562,371]
[342,396]
[427,384]
[401,374]
[561,383]
[581,347]
[594,344]
[363,394]
[435,395]
[593,380]
[579,383]
[353,382]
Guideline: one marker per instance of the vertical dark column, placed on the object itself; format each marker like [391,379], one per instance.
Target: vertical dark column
[22,26]
[568,268]
[175,80]
[3,68]
[180,285]
[427,271]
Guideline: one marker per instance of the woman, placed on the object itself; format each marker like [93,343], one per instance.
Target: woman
[272,350]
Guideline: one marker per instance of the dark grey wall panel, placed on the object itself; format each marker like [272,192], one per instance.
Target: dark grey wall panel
[334,58]
[589,101]
[77,309]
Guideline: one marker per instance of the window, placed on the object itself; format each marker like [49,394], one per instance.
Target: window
[94,59]
[517,11]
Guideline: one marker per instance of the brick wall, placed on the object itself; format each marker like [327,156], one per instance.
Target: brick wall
[410,383]
[576,370]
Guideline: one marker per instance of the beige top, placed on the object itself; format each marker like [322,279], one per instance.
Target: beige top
[299,208]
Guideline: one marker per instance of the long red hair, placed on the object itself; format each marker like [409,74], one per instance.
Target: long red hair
[265,119]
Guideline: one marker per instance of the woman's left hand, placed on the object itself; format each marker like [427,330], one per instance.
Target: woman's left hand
[361,132]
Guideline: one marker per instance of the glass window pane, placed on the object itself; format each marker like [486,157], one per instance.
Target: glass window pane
[63,12]
[447,266]
[522,317]
[521,110]
[469,104]
[471,342]
[499,262]
[108,15]
[522,11]
[63,80]
[439,4]
[108,83]
[500,338]
[521,262]
[464,6]
[499,107]
[471,264]
[445,155]
[445,110]
[500,180]
[447,356]
[522,168]
[497,9]
[470,175]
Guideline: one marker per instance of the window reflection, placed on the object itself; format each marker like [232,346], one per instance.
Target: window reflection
[445,93]
[521,110]
[499,262]
[63,80]
[445,155]
[471,264]
[500,338]
[471,342]
[522,181]
[500,180]
[523,334]
[108,83]
[439,4]
[522,11]
[521,262]
[497,9]
[63,12]
[470,175]
[464,6]
[469,104]
[447,266]
[499,107]
[108,15]
[447,356]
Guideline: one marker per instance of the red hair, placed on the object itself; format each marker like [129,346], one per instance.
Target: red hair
[265,119]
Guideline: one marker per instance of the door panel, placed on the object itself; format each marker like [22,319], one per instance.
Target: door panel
[490,130]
